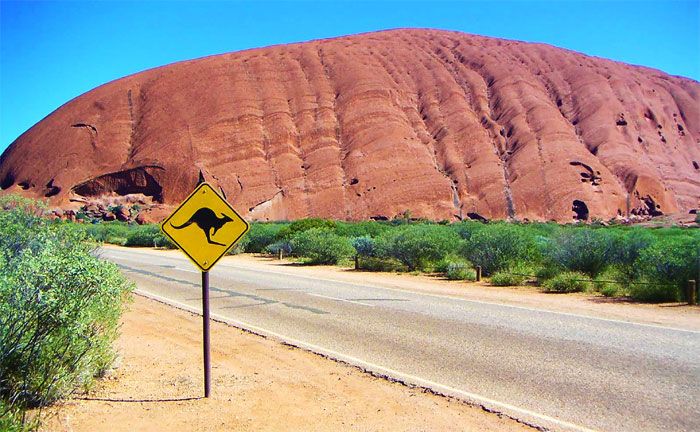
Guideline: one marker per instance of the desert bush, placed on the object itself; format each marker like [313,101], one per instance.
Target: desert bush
[567,282]
[466,229]
[321,246]
[301,225]
[497,246]
[261,235]
[460,271]
[583,250]
[612,282]
[505,278]
[667,265]
[417,246]
[514,275]
[147,236]
[452,258]
[382,264]
[546,272]
[361,229]
[11,419]
[364,246]
[108,232]
[276,247]
[241,246]
[627,246]
[644,290]
[59,310]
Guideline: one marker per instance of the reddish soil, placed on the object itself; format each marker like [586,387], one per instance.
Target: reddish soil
[446,125]
[258,385]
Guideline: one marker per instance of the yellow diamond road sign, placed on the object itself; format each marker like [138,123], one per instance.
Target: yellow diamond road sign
[205,227]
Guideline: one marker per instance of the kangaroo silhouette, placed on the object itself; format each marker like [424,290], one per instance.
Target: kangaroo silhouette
[206,219]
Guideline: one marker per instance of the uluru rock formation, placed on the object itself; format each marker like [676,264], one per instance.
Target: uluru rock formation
[439,123]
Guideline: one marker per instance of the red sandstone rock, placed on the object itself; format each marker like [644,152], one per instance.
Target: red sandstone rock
[438,123]
[123,214]
[140,218]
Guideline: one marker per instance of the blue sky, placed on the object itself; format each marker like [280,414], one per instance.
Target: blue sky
[51,52]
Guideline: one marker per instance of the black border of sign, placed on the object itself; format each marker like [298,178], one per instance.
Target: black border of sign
[201,185]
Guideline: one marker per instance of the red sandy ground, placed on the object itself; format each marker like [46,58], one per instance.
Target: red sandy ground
[258,385]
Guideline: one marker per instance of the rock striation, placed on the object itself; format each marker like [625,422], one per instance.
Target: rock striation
[445,125]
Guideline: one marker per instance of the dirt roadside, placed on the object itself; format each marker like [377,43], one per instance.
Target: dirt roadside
[258,385]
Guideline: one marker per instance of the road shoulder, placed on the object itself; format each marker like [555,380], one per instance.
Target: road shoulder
[258,384]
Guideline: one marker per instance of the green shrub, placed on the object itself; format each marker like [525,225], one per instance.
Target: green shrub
[302,225]
[11,419]
[645,290]
[667,265]
[514,275]
[261,235]
[417,246]
[59,310]
[109,232]
[381,264]
[466,229]
[361,229]
[276,247]
[583,250]
[612,282]
[442,265]
[364,246]
[505,278]
[567,282]
[547,272]
[321,246]
[240,246]
[147,236]
[627,247]
[460,271]
[497,246]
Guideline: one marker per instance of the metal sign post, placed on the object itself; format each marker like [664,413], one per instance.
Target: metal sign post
[205,227]
[205,335]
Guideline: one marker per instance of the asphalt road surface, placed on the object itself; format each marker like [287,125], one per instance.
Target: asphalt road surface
[560,371]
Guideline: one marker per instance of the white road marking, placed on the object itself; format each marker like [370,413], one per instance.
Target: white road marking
[494,405]
[339,299]
[570,314]
[187,270]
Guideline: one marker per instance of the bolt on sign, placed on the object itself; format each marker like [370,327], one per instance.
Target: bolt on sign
[204,227]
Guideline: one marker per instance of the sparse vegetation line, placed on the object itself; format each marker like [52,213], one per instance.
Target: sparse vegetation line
[644,264]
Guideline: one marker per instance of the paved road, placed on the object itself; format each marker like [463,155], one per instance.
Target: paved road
[557,370]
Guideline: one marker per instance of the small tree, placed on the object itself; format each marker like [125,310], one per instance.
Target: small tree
[364,247]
